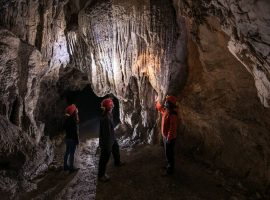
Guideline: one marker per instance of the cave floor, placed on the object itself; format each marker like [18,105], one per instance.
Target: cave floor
[139,179]
[59,184]
[142,179]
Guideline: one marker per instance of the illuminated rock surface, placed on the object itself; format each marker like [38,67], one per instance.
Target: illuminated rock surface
[213,55]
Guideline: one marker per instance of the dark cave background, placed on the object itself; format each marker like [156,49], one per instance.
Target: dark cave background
[88,104]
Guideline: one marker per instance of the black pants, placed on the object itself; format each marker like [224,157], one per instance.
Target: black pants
[105,157]
[169,153]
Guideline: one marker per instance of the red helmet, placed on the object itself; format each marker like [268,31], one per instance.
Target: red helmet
[171,99]
[107,104]
[70,110]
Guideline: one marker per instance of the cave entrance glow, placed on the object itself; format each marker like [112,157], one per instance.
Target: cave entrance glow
[88,104]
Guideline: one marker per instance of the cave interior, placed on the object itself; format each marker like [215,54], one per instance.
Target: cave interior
[212,55]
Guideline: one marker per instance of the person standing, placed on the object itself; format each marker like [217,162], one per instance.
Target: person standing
[71,139]
[107,140]
[169,130]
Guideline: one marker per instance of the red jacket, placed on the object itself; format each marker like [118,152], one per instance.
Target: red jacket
[169,123]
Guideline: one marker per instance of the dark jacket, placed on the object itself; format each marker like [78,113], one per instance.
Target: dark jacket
[106,131]
[71,128]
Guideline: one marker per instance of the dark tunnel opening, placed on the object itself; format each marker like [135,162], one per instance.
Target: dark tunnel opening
[88,104]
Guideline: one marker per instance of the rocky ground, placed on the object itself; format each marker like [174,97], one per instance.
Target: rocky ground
[213,55]
[58,184]
[140,178]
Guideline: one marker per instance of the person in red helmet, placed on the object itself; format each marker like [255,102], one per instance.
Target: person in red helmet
[169,129]
[107,140]
[71,139]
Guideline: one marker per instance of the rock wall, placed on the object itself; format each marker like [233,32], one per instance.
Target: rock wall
[40,24]
[246,22]
[33,48]
[225,124]
[25,152]
[52,102]
[21,159]
[128,50]
[139,49]
[133,50]
[21,69]
[134,45]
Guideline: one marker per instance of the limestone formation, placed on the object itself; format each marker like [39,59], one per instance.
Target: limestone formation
[22,159]
[246,22]
[225,124]
[21,69]
[130,50]
[41,24]
[213,55]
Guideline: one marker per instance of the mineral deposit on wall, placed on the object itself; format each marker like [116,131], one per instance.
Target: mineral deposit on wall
[136,50]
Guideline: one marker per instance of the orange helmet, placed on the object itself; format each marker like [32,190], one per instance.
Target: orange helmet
[70,110]
[107,104]
[171,99]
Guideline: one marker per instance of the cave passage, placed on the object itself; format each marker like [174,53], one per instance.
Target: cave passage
[212,55]
[61,184]
[88,104]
